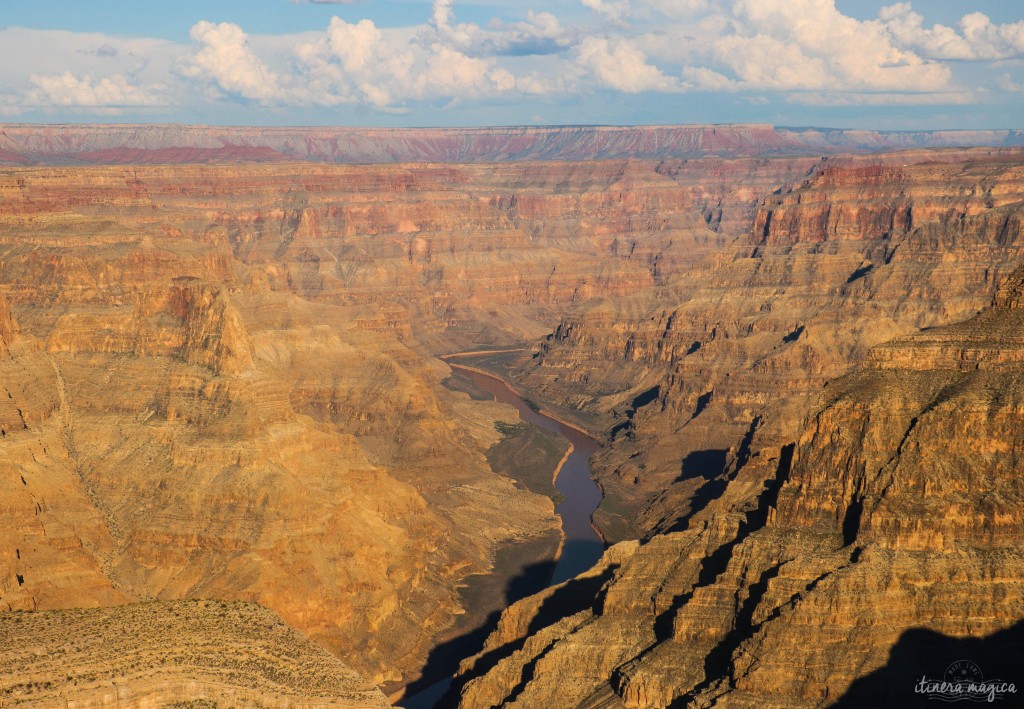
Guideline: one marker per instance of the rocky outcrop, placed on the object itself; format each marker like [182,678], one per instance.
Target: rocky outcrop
[219,380]
[182,417]
[156,654]
[724,359]
[876,544]
[163,144]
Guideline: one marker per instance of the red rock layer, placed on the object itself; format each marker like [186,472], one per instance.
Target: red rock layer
[140,144]
[697,375]
[879,546]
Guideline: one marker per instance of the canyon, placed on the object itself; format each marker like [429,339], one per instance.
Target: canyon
[820,537]
[224,385]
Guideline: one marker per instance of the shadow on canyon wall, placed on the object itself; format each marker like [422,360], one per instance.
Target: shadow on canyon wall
[443,660]
[921,653]
[576,595]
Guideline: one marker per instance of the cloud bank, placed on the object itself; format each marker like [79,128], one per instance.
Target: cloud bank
[796,51]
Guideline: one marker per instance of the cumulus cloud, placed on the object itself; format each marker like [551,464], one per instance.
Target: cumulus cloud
[612,9]
[361,63]
[978,39]
[618,64]
[224,57]
[66,89]
[540,33]
[802,51]
[809,45]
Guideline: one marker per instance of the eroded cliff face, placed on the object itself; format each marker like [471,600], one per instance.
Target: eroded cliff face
[181,422]
[218,381]
[874,545]
[695,376]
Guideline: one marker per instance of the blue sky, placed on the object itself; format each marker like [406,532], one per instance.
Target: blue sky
[877,64]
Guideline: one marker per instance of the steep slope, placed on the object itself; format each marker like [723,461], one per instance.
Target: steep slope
[219,381]
[693,377]
[156,654]
[174,427]
[142,144]
[875,545]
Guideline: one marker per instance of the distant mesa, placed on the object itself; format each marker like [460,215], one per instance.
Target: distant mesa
[23,144]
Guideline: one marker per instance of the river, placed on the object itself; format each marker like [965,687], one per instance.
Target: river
[582,546]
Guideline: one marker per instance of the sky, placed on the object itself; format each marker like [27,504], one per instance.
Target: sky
[875,64]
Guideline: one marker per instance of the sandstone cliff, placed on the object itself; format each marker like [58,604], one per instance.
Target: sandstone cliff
[886,535]
[693,377]
[182,417]
[218,381]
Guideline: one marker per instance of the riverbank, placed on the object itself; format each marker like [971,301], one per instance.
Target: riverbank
[546,455]
[529,402]
[581,495]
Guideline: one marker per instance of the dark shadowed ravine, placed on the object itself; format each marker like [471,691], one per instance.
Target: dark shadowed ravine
[582,546]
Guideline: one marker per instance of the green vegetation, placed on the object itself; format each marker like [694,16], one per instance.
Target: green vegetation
[511,430]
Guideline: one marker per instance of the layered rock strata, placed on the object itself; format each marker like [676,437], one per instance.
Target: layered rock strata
[141,144]
[218,381]
[723,360]
[157,654]
[882,543]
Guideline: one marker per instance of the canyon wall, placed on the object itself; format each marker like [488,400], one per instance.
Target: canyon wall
[219,381]
[696,376]
[880,541]
[22,144]
[848,551]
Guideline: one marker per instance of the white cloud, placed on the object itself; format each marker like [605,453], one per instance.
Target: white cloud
[541,33]
[620,65]
[802,51]
[979,38]
[66,89]
[698,78]
[1006,83]
[808,45]
[224,57]
[361,63]
[612,9]
[676,9]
